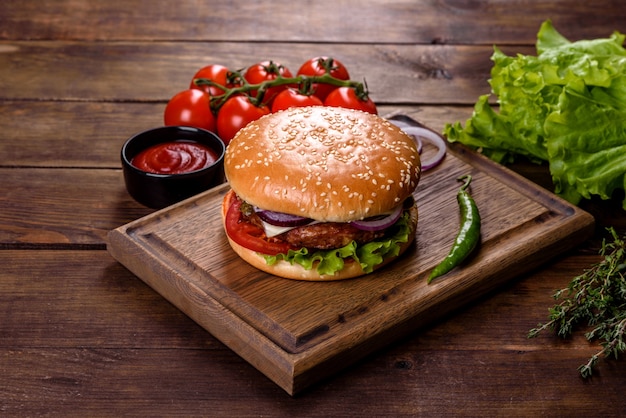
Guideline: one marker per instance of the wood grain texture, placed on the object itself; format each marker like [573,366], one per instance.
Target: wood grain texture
[106,342]
[59,208]
[102,381]
[80,335]
[84,135]
[418,74]
[298,332]
[98,302]
[377,21]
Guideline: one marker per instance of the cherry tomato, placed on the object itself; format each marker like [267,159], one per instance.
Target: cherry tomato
[236,113]
[248,235]
[347,97]
[214,72]
[293,98]
[263,71]
[190,108]
[317,66]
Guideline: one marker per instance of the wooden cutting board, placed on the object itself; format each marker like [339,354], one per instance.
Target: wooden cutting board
[297,333]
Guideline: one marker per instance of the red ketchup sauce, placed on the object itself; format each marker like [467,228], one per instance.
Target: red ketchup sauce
[175,157]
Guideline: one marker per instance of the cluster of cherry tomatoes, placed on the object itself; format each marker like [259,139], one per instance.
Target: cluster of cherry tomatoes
[224,101]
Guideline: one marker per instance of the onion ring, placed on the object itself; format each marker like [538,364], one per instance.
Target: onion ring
[432,138]
[282,219]
[417,139]
[376,223]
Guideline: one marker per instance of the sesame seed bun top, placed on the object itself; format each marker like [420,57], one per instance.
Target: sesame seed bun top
[326,163]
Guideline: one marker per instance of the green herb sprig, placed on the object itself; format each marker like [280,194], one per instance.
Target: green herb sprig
[597,297]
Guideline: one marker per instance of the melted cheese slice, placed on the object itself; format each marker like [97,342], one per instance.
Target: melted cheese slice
[273,230]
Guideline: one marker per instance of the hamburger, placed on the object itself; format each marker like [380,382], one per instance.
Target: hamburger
[320,193]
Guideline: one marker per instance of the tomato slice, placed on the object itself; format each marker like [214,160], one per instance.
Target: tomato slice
[251,236]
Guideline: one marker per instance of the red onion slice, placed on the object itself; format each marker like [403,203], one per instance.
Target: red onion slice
[282,219]
[416,138]
[377,223]
[404,125]
[432,138]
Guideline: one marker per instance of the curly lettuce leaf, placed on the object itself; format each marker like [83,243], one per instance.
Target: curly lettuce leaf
[588,147]
[566,106]
[368,255]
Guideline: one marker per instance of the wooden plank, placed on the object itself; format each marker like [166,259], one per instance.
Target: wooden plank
[71,134]
[103,303]
[134,71]
[95,381]
[91,134]
[299,332]
[82,298]
[61,208]
[107,341]
[399,21]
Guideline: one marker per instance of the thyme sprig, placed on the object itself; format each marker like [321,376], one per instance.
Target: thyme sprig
[596,297]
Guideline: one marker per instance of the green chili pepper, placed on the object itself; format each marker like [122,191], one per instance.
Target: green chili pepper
[468,236]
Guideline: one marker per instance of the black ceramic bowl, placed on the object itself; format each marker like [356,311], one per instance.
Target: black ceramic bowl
[160,190]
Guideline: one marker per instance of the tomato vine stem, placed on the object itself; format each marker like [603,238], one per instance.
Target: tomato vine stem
[303,82]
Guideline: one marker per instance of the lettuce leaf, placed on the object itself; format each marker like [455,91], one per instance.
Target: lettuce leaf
[368,255]
[588,147]
[566,106]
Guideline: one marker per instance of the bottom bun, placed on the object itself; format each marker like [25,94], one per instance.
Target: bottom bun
[287,270]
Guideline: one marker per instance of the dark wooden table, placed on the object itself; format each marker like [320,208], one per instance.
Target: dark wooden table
[80,335]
